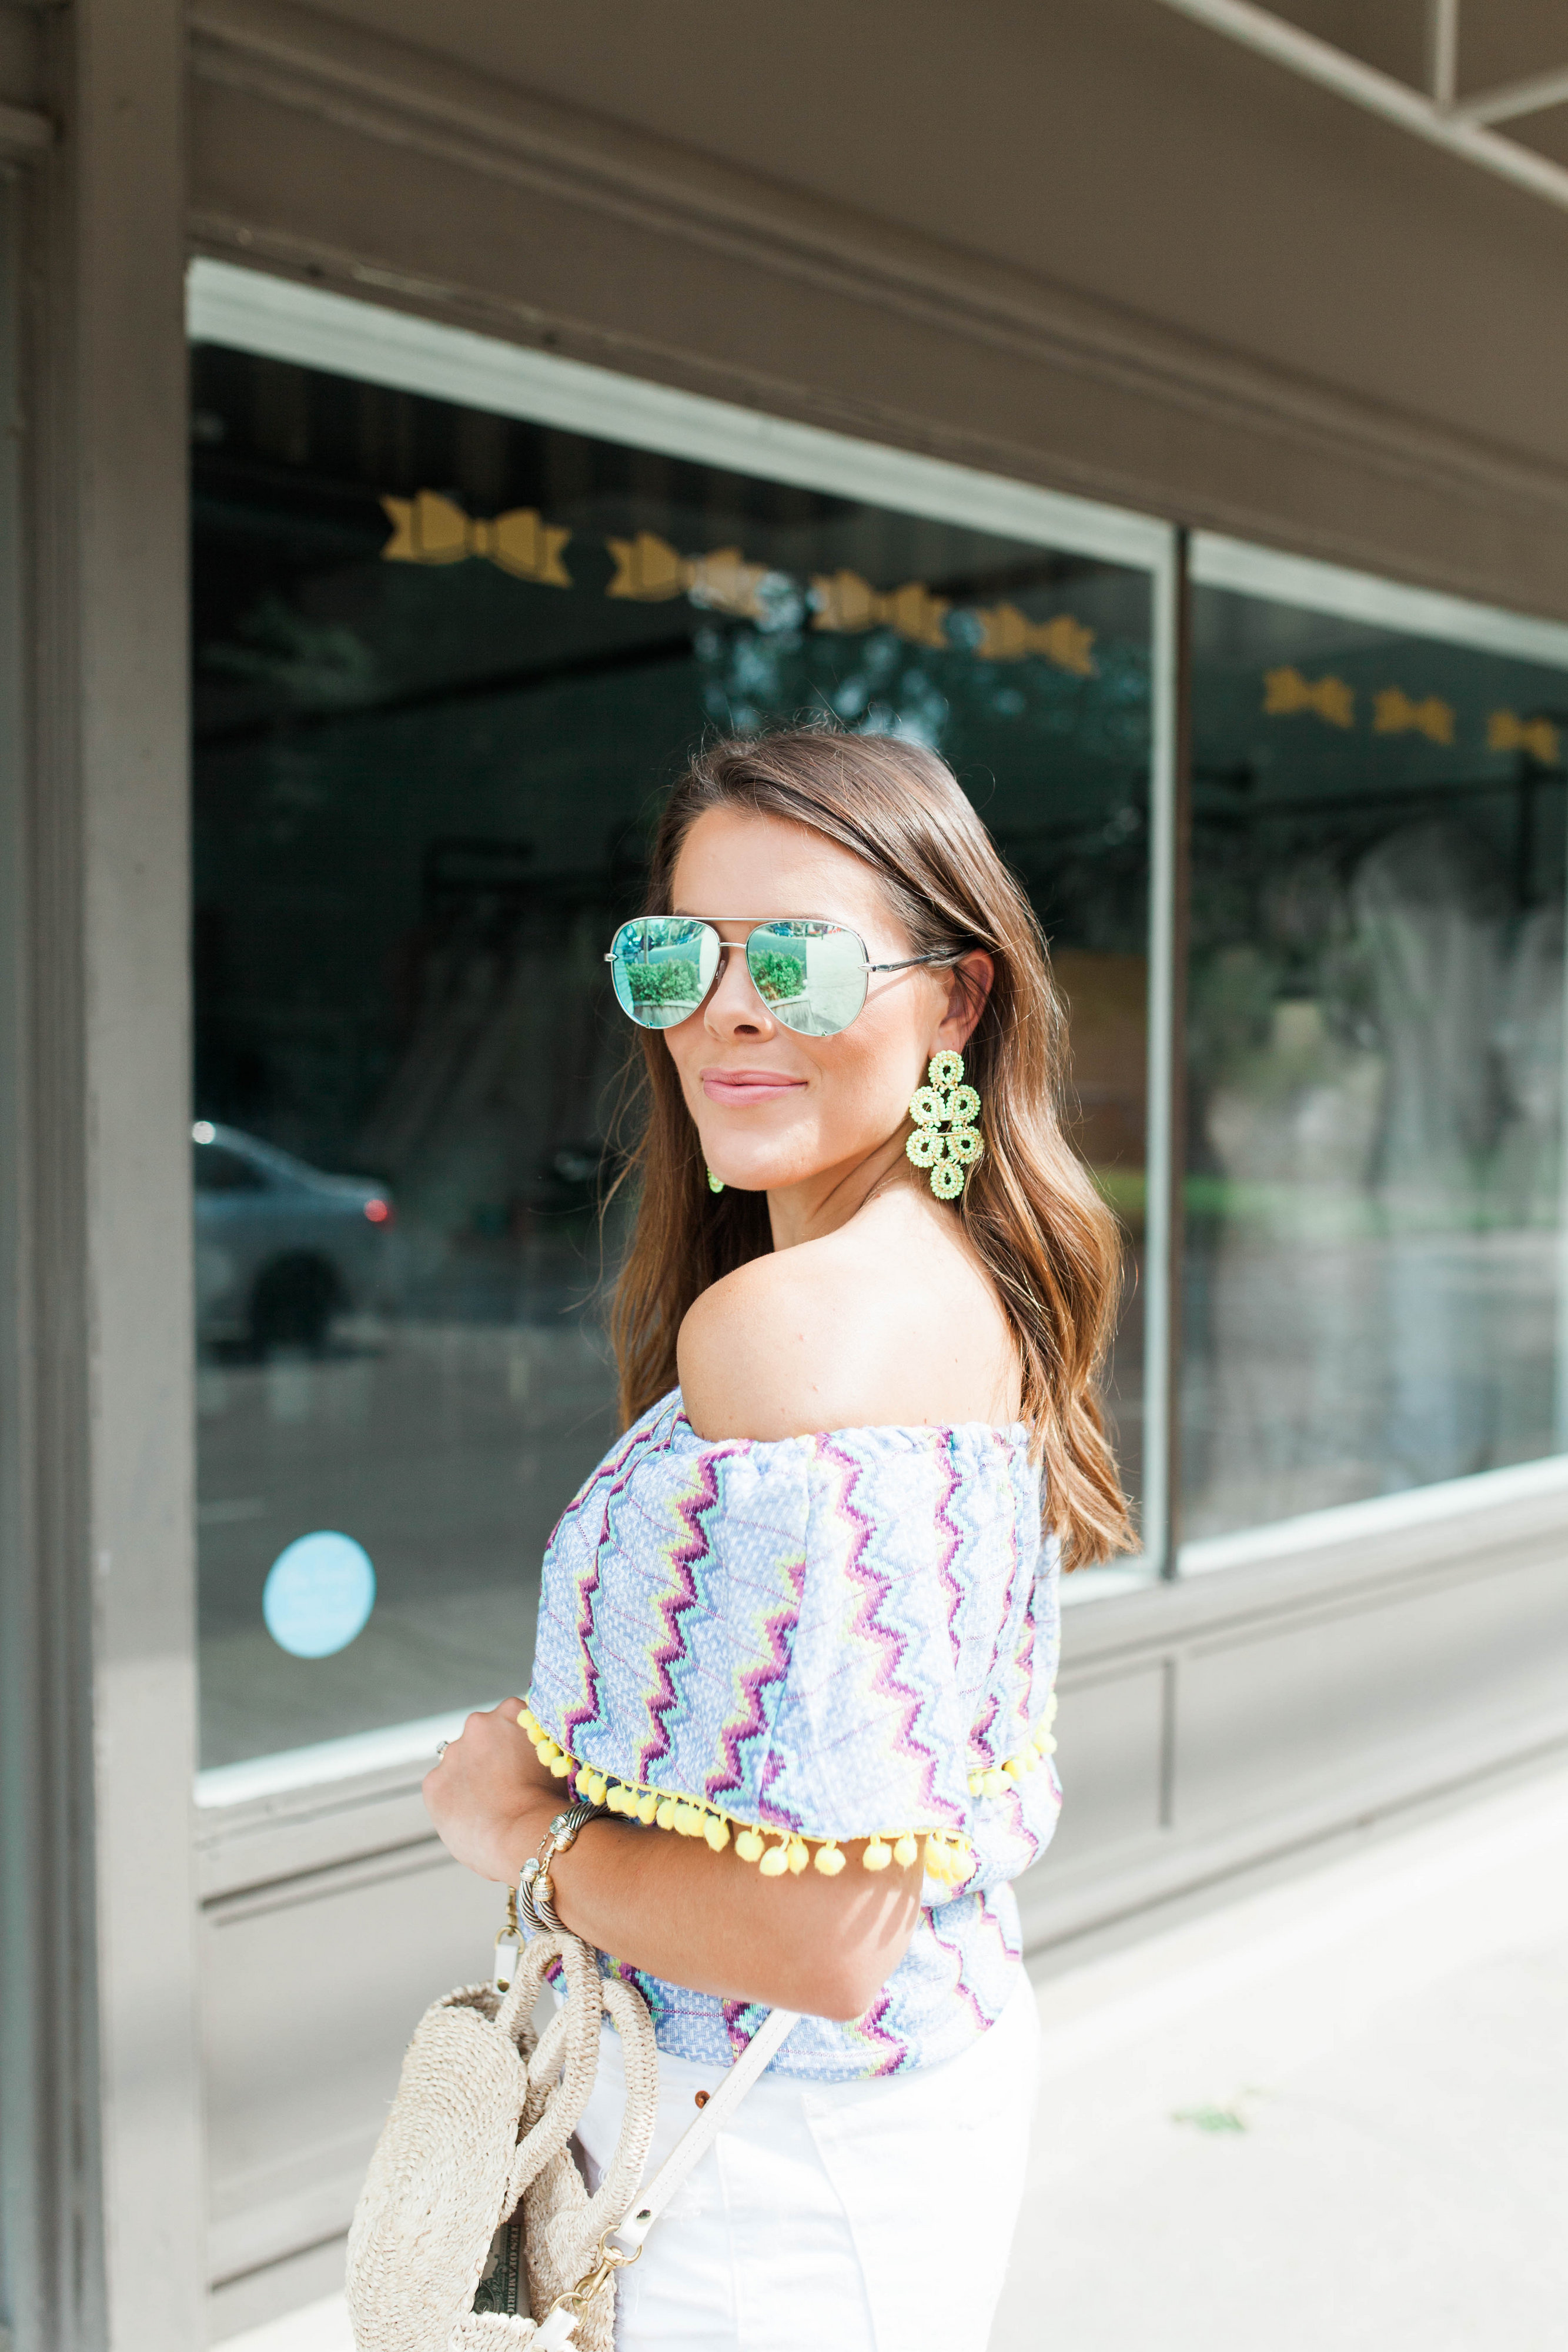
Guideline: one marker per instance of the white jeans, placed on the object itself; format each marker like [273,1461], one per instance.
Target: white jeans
[842,2217]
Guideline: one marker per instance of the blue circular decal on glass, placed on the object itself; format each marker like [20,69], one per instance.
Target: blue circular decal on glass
[318,1595]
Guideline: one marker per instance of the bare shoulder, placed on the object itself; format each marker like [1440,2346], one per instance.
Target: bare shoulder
[776,1348]
[859,1329]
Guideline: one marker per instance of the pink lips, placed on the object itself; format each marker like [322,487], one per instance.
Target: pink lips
[740,1088]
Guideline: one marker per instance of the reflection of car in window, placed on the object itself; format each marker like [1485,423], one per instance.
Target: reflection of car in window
[280,1247]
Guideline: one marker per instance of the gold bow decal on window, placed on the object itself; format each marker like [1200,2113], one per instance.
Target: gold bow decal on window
[1008,634]
[649,569]
[1506,731]
[1394,713]
[846,602]
[428,529]
[1285,691]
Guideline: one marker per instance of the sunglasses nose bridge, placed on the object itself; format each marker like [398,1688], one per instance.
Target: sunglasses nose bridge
[732,959]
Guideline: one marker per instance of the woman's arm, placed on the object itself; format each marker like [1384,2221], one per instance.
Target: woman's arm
[668,1904]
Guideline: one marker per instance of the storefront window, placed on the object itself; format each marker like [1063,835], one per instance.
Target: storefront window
[1376,1052]
[445,661]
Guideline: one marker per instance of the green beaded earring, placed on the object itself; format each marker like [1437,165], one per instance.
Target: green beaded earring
[946,1140]
[715,1183]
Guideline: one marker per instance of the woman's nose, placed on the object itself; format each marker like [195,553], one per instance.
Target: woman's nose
[735,1009]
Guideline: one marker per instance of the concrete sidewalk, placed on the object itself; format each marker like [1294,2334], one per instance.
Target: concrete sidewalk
[1326,2118]
[1330,2117]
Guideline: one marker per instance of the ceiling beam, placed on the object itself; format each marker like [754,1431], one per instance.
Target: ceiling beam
[1442,51]
[1516,98]
[1379,93]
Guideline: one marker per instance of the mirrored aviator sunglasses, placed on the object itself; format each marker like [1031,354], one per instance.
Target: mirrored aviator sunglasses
[812,974]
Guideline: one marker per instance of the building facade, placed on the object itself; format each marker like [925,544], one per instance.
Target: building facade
[417,441]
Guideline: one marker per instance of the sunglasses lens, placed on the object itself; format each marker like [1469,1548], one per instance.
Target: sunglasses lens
[811,976]
[662,967]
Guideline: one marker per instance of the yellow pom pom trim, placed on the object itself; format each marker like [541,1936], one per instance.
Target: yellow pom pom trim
[776,1852]
[995,1779]
[949,1860]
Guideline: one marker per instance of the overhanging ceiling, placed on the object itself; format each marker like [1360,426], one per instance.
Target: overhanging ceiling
[1468,122]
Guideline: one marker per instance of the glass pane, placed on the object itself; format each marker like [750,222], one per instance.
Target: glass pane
[1375,1048]
[443,663]
[814,975]
[663,969]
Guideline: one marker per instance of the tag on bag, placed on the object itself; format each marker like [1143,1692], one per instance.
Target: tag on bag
[502,2286]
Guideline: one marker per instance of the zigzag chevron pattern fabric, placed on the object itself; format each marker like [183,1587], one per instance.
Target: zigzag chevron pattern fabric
[800,1644]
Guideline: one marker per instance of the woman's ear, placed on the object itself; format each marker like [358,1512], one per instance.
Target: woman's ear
[969,985]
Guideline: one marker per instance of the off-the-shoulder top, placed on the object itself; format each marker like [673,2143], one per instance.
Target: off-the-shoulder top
[793,1644]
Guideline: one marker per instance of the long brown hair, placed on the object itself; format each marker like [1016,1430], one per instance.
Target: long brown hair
[1048,1244]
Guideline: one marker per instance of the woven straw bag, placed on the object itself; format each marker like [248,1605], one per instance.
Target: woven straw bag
[483,2118]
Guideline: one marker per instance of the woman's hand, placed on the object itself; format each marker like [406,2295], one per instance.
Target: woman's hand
[489,1796]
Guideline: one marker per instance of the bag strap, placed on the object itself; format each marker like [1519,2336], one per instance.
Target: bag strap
[624,2242]
[696,2141]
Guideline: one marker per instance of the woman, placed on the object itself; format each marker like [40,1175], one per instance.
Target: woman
[804,1612]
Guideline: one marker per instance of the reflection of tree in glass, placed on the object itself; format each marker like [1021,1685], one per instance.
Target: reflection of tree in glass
[878,684]
[662,984]
[1106,716]
[779,977]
